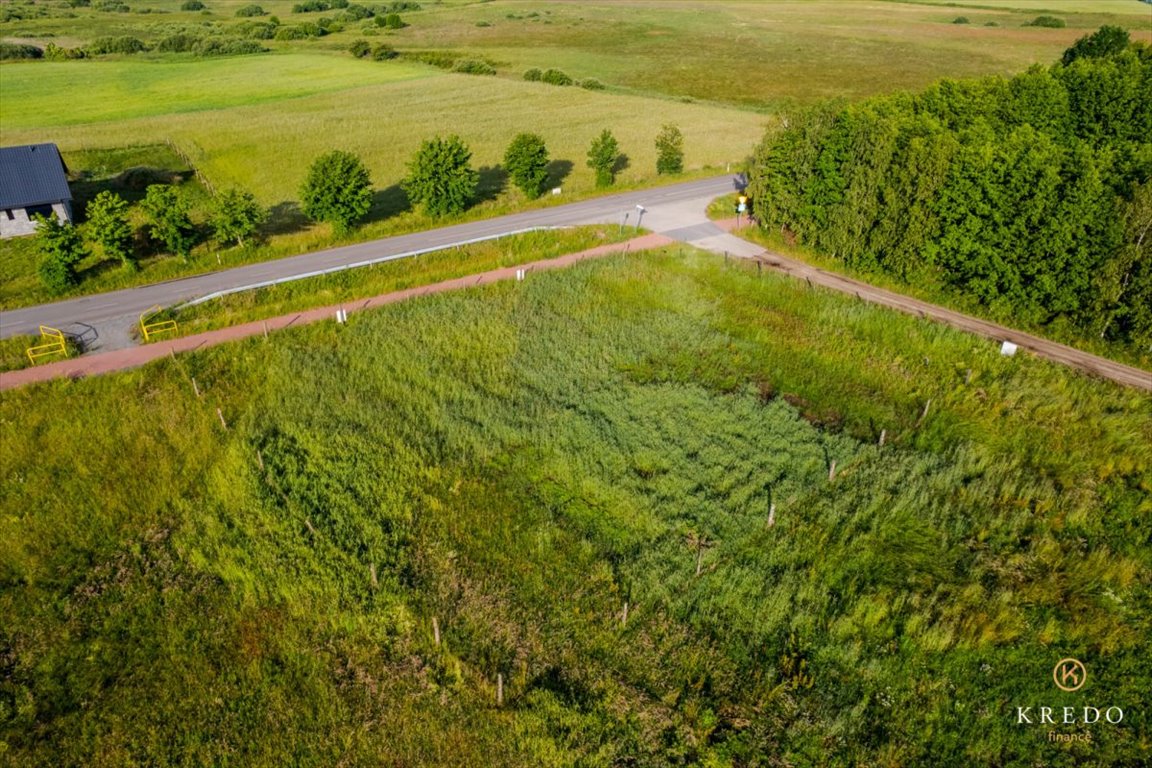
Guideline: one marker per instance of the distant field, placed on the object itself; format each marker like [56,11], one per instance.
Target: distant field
[243,136]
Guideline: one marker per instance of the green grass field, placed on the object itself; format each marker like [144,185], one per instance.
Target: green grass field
[521,461]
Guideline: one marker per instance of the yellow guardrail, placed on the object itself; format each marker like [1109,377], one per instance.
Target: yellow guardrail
[54,344]
[150,329]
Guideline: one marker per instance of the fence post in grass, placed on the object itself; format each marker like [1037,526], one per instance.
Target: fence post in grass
[435,631]
[924,414]
[832,471]
[883,434]
[624,618]
[499,690]
[772,514]
[223,423]
[195,388]
[372,575]
[968,377]
[265,330]
[260,459]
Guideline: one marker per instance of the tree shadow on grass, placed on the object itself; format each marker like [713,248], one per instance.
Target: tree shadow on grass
[388,202]
[622,164]
[493,180]
[130,184]
[558,171]
[284,218]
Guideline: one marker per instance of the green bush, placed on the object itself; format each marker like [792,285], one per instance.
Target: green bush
[555,77]
[360,49]
[54,52]
[390,21]
[311,6]
[1051,22]
[192,5]
[227,46]
[441,59]
[249,11]
[125,44]
[961,20]
[591,84]
[533,75]
[356,13]
[111,6]
[473,67]
[382,52]
[9,51]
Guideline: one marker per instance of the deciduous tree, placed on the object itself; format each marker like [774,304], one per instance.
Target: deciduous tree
[526,161]
[108,225]
[338,190]
[603,156]
[440,176]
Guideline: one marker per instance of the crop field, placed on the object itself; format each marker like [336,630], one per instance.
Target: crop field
[644,494]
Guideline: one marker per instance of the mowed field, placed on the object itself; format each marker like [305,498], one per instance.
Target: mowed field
[264,139]
[258,121]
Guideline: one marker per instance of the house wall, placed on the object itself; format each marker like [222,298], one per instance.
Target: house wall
[15,222]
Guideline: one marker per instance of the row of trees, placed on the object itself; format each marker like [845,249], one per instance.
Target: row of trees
[441,179]
[1030,195]
[235,215]
[338,190]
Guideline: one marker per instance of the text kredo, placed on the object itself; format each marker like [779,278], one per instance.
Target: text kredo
[1068,715]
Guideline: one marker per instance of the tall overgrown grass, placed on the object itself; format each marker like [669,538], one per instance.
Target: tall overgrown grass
[521,462]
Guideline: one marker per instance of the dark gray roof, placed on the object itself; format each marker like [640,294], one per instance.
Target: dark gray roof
[32,175]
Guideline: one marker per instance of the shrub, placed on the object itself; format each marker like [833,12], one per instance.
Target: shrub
[591,84]
[300,32]
[178,43]
[360,49]
[391,21]
[192,5]
[356,13]
[384,52]
[555,77]
[1046,21]
[125,45]
[108,224]
[111,6]
[961,20]
[473,67]
[249,11]
[311,6]
[441,59]
[227,46]
[54,52]
[168,220]
[533,75]
[255,30]
[9,51]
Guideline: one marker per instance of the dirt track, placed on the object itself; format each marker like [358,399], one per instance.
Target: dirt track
[1049,350]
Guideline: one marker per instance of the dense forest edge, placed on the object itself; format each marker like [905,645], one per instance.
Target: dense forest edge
[1029,196]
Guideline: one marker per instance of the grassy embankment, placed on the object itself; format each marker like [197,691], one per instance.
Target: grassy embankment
[518,463]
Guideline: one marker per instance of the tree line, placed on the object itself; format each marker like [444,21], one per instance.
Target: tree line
[337,190]
[1030,195]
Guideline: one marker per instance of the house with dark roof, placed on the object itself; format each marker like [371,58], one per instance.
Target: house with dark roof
[33,180]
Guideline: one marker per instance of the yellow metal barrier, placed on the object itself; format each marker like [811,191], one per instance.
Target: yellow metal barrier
[54,344]
[151,329]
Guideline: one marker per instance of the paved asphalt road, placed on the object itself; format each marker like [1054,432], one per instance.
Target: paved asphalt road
[679,206]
